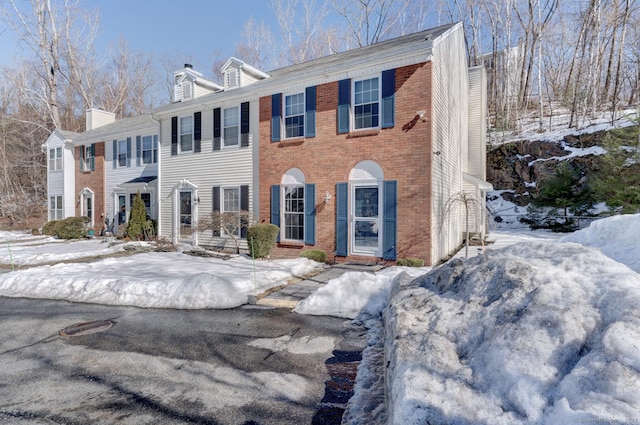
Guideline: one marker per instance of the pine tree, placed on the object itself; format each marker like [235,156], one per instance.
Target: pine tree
[137,220]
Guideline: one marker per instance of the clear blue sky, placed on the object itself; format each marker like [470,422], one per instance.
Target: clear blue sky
[195,29]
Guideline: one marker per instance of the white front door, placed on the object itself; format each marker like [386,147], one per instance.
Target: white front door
[366,223]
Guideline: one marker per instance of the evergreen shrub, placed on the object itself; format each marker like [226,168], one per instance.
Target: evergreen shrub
[261,239]
[71,228]
[315,254]
[410,262]
[49,228]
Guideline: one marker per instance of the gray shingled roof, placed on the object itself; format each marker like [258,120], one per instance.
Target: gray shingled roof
[415,40]
[119,126]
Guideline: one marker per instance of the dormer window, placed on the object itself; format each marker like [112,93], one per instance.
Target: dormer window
[231,78]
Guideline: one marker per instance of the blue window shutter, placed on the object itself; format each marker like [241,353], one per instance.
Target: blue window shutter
[128,151]
[275,207]
[115,154]
[216,129]
[197,131]
[244,124]
[388,98]
[276,112]
[342,219]
[244,206]
[138,150]
[81,157]
[310,214]
[310,112]
[390,218]
[92,165]
[216,205]
[174,135]
[344,100]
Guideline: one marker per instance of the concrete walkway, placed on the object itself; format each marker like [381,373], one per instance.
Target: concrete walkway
[290,295]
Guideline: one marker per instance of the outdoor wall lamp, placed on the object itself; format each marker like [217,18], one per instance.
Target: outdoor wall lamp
[327,198]
[421,114]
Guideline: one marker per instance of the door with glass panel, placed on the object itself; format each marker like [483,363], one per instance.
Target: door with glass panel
[186,212]
[366,221]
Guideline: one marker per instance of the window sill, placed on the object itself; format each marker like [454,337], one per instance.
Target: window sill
[291,142]
[363,133]
[291,244]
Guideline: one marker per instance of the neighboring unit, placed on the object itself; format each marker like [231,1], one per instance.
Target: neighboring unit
[60,177]
[208,157]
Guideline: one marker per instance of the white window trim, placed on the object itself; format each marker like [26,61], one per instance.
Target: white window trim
[283,130]
[352,109]
[224,145]
[283,214]
[55,163]
[84,194]
[222,205]
[180,134]
[53,212]
[118,153]
[86,158]
[153,150]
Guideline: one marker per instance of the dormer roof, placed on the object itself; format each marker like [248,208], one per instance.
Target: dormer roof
[189,84]
[238,73]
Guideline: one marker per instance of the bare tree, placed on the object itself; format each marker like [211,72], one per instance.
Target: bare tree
[226,224]
[371,21]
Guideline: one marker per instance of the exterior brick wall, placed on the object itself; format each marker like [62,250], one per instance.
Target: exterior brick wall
[403,152]
[94,180]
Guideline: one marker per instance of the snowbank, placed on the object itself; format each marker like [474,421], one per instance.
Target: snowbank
[617,237]
[541,333]
[158,280]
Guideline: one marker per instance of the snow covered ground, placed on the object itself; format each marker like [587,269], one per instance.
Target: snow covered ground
[155,279]
[534,329]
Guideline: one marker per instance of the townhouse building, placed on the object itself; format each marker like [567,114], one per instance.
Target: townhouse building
[364,154]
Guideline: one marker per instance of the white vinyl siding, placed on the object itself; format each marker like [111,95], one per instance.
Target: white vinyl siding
[115,178]
[207,169]
[449,111]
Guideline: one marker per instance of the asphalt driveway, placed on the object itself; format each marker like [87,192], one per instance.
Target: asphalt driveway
[251,365]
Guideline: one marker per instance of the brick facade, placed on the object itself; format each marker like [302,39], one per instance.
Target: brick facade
[403,152]
[93,180]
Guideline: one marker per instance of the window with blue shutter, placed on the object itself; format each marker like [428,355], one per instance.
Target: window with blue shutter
[174,135]
[388,98]
[138,150]
[92,159]
[128,151]
[390,218]
[310,112]
[115,154]
[276,111]
[197,131]
[275,207]
[217,129]
[310,214]
[344,99]
[342,219]
[244,124]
